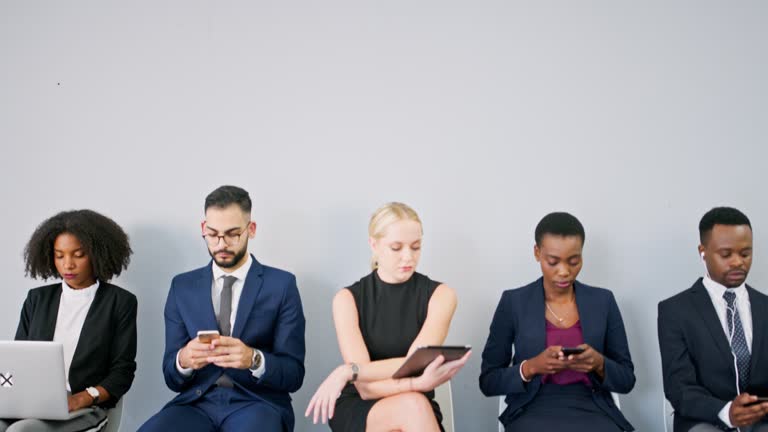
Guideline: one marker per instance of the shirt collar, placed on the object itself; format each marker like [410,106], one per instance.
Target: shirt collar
[240,273]
[717,289]
[70,292]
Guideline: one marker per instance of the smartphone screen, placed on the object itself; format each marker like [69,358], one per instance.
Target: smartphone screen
[572,351]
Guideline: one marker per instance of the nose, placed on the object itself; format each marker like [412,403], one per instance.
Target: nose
[69,263]
[737,261]
[563,271]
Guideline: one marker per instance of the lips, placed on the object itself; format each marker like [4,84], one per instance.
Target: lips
[563,284]
[406,269]
[736,275]
[69,276]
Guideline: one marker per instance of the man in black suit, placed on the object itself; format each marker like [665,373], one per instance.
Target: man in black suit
[714,336]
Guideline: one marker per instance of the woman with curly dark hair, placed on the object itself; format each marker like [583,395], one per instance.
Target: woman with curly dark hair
[86,250]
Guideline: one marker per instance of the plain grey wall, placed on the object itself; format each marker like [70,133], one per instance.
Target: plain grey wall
[483,115]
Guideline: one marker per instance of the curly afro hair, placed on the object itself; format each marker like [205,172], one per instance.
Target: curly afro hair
[103,240]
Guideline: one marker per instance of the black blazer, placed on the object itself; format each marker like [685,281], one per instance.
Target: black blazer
[519,321]
[696,359]
[106,351]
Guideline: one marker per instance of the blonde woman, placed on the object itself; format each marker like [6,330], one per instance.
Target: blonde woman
[380,320]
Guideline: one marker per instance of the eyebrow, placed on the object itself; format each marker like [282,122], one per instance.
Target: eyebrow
[61,251]
[215,230]
[568,258]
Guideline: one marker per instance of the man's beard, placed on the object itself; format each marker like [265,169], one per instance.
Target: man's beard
[235,260]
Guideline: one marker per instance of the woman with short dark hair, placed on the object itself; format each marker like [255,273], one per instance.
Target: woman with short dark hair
[570,347]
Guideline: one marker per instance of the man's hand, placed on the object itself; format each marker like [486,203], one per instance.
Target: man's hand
[742,415]
[195,354]
[230,352]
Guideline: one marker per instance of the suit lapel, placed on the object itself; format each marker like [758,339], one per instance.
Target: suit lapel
[706,310]
[759,307]
[535,316]
[202,299]
[251,290]
[589,329]
[51,315]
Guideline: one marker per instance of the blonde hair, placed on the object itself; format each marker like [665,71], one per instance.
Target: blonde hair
[385,216]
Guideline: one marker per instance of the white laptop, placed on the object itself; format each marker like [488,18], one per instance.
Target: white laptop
[32,381]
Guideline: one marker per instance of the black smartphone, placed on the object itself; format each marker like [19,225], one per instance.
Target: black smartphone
[758,401]
[572,350]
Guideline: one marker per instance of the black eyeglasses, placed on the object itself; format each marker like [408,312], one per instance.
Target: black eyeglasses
[230,239]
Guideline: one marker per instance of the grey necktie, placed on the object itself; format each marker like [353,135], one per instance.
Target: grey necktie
[225,306]
[225,325]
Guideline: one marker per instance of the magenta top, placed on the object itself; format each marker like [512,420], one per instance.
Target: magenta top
[567,337]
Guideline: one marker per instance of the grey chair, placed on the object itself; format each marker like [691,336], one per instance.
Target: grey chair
[114,415]
[444,398]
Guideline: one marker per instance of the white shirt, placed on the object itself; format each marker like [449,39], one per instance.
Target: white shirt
[743,305]
[73,308]
[237,289]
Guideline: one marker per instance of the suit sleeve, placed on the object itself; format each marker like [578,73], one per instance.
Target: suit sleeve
[122,348]
[680,384]
[176,337]
[285,361]
[285,364]
[619,370]
[27,311]
[496,375]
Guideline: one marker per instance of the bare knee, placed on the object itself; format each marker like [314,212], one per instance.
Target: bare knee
[406,412]
[414,403]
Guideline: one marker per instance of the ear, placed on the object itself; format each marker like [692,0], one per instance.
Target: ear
[202,227]
[701,251]
[537,253]
[372,243]
[252,230]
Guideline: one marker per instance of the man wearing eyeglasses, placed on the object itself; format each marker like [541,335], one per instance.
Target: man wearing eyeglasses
[240,378]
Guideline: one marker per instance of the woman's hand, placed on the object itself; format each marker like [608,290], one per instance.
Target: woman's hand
[548,362]
[323,403]
[588,361]
[438,372]
[79,401]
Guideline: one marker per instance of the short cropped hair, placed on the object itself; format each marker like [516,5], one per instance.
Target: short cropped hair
[103,241]
[559,224]
[224,196]
[721,216]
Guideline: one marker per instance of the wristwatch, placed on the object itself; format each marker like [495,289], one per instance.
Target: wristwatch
[94,392]
[355,371]
[255,360]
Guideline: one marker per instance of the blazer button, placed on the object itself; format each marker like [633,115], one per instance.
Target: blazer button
[198,392]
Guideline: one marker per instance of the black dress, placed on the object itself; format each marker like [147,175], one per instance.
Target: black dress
[390,317]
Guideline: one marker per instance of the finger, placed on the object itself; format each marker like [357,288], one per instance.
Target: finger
[324,410]
[436,363]
[332,406]
[228,364]
[310,405]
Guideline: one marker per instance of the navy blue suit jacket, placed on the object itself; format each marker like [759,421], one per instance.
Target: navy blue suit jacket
[696,359]
[519,321]
[269,318]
